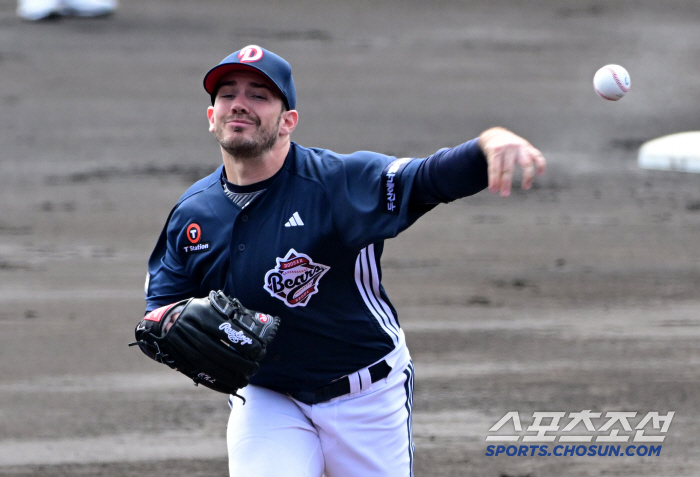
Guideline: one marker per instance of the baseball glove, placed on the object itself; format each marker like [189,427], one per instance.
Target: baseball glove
[215,341]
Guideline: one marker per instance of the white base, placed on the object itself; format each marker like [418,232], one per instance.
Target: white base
[676,152]
[34,10]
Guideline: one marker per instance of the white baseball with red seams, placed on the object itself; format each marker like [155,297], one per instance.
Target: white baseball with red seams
[611,82]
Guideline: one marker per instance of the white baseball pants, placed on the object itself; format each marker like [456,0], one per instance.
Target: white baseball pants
[363,434]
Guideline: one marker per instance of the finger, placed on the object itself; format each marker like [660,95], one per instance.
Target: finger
[540,162]
[510,156]
[528,168]
[495,166]
[533,163]
[171,321]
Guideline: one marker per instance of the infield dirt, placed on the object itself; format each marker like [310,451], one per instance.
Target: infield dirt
[581,294]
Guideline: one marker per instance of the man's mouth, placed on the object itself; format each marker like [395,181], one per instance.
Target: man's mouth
[241,122]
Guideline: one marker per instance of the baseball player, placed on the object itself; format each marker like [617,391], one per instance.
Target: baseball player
[298,233]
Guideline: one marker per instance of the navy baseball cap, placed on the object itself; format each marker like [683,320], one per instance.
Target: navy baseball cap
[266,62]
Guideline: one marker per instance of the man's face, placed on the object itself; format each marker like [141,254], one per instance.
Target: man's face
[246,114]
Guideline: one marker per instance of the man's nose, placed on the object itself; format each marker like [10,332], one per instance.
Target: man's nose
[239,106]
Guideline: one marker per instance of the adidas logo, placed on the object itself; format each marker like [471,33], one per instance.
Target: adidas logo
[294,221]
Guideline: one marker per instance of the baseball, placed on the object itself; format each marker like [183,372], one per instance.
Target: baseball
[611,82]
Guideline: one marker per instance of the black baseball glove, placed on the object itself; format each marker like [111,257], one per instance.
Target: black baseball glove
[215,341]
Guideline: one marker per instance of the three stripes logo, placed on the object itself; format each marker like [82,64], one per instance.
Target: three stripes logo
[294,221]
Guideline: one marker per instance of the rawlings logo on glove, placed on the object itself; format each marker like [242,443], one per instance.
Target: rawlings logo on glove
[235,336]
[186,336]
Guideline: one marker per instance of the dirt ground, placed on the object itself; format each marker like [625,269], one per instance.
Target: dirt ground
[581,294]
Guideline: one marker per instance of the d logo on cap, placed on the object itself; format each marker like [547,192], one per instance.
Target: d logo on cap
[250,54]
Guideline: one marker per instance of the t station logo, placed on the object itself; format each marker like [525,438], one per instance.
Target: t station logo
[194,235]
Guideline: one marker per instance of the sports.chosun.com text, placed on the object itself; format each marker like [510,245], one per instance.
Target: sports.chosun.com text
[592,450]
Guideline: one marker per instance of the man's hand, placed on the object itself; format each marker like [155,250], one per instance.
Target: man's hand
[503,151]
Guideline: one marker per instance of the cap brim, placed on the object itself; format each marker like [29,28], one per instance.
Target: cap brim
[213,77]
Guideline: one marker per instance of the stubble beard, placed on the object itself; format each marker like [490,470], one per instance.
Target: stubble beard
[262,141]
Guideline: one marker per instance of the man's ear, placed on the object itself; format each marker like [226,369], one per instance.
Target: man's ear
[289,122]
[210,116]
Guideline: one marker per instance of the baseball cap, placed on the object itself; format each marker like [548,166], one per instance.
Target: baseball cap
[266,62]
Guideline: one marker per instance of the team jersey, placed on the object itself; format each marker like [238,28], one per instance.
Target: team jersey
[307,249]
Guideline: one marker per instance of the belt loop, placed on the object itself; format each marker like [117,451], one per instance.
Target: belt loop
[355,385]
[365,379]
